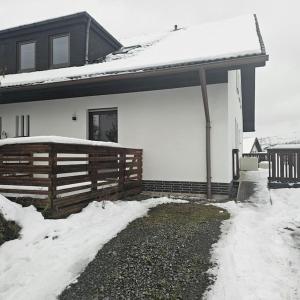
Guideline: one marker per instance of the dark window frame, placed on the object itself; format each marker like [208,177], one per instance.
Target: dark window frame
[92,112]
[19,46]
[53,37]
[22,121]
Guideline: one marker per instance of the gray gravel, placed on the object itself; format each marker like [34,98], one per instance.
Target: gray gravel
[162,256]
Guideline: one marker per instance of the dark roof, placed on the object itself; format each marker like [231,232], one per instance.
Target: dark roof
[80,15]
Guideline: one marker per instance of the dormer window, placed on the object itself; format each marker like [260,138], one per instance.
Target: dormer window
[60,51]
[27,56]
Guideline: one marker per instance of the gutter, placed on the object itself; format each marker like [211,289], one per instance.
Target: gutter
[202,75]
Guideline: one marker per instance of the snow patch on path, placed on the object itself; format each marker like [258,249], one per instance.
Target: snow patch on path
[258,255]
[52,253]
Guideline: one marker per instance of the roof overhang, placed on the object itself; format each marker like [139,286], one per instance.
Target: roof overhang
[79,87]
[225,64]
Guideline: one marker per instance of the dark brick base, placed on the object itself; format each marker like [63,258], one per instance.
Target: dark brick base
[185,187]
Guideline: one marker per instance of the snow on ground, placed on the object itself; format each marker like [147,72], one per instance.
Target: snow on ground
[258,255]
[52,253]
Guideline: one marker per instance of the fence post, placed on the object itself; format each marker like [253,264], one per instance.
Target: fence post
[52,175]
[93,171]
[122,170]
[140,166]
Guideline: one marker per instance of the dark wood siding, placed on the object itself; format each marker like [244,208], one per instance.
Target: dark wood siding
[100,45]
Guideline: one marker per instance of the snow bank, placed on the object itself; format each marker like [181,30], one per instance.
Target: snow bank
[52,253]
[216,40]
[55,139]
[258,255]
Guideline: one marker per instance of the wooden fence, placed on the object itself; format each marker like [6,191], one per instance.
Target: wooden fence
[262,156]
[284,167]
[63,178]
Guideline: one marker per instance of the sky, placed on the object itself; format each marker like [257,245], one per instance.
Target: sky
[277,84]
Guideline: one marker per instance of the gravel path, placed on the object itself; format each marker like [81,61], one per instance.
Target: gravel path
[162,256]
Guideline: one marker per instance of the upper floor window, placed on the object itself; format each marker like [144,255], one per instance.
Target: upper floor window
[60,51]
[27,56]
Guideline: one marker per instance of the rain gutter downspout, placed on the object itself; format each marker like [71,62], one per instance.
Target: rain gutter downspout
[202,75]
[87,41]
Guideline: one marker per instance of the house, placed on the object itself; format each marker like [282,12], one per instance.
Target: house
[184,96]
[251,145]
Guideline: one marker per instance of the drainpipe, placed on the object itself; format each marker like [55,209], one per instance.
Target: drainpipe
[202,75]
[87,40]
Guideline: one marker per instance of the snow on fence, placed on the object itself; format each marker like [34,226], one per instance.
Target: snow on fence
[63,178]
[284,167]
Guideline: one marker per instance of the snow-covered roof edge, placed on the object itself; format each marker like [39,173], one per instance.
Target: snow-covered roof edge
[260,38]
[286,146]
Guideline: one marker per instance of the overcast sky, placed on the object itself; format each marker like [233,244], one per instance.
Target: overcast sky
[278,84]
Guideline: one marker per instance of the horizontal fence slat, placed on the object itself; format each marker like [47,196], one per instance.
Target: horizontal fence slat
[25,181]
[76,173]
[22,191]
[24,168]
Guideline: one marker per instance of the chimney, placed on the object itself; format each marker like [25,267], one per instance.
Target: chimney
[175,27]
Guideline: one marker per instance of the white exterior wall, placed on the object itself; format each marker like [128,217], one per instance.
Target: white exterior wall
[235,115]
[169,125]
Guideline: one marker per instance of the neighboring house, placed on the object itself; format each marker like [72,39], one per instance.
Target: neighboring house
[185,96]
[251,145]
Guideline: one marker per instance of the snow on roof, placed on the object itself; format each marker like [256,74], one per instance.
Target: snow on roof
[248,144]
[286,146]
[55,139]
[225,39]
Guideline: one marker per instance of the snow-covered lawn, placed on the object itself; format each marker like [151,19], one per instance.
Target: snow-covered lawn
[258,255]
[51,253]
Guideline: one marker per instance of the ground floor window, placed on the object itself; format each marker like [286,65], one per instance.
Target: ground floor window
[22,125]
[103,125]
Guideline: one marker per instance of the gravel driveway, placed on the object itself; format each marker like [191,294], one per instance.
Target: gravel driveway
[162,256]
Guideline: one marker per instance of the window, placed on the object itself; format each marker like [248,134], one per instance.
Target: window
[103,125]
[60,51]
[27,56]
[22,126]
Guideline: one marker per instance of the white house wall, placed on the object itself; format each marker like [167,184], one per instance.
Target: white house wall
[235,115]
[169,125]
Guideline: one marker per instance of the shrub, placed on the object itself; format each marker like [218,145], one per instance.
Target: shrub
[9,230]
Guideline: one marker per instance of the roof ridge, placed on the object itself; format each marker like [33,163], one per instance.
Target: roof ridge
[260,38]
